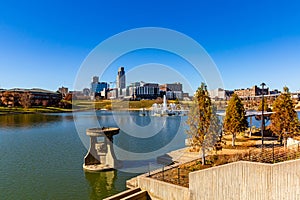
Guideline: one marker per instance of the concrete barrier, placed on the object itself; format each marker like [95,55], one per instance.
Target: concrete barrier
[247,180]
[162,190]
[239,180]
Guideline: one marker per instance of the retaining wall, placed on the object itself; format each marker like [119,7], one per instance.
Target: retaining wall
[247,180]
[239,180]
[163,190]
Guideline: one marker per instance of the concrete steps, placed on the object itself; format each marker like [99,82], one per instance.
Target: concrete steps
[131,194]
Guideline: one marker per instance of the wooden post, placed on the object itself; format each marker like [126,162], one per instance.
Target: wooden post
[178,172]
[273,153]
[149,169]
[163,173]
[249,156]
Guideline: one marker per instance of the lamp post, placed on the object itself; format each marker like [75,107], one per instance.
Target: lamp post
[262,114]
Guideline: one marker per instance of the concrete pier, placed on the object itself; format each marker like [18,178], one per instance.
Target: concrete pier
[101,154]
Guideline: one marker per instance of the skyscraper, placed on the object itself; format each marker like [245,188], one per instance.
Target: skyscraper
[95,79]
[121,78]
[96,86]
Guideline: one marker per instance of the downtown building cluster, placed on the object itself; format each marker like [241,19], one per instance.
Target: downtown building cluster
[134,91]
[253,93]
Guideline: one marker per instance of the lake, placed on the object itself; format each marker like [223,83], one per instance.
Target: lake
[41,155]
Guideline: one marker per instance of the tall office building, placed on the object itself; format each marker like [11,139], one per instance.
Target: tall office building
[121,78]
[95,79]
[97,87]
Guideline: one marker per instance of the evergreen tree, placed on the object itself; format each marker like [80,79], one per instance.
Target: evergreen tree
[235,120]
[284,120]
[202,121]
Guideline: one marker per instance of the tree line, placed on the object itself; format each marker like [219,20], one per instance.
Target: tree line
[206,129]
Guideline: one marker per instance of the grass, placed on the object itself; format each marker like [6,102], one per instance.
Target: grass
[118,104]
[85,105]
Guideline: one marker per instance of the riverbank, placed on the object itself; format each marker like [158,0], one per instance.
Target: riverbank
[19,110]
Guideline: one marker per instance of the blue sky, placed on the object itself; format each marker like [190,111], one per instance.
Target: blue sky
[43,43]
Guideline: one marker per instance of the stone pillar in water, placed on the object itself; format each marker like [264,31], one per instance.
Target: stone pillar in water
[101,154]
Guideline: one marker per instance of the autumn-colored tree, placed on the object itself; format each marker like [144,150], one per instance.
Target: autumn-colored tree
[203,124]
[176,101]
[284,120]
[10,98]
[235,120]
[266,109]
[5,98]
[25,99]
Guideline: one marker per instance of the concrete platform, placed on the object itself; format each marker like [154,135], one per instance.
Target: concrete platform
[96,168]
[178,157]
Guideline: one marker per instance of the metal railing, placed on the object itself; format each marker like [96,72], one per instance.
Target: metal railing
[269,153]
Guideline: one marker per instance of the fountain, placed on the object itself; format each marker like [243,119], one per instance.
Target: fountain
[165,110]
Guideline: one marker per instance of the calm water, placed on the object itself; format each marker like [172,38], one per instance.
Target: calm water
[41,155]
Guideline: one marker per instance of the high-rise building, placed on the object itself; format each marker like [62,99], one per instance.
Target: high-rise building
[97,87]
[121,78]
[95,79]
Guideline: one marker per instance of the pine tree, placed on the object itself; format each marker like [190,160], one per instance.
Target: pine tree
[284,120]
[235,120]
[202,121]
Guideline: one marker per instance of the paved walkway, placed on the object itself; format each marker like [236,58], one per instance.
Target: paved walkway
[178,156]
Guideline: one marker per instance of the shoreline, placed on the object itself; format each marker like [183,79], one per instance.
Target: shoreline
[9,111]
[47,110]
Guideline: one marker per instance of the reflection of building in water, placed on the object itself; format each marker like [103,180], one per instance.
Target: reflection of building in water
[30,120]
[102,184]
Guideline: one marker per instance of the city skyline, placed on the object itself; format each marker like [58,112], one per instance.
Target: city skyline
[250,42]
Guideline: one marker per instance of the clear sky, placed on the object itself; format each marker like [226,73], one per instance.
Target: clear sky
[43,43]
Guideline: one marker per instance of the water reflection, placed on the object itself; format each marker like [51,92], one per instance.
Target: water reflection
[31,120]
[106,183]
[101,184]
[41,154]
[129,142]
